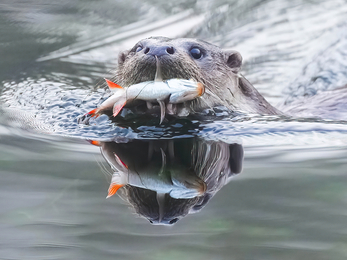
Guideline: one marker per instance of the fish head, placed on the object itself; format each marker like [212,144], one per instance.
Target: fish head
[185,90]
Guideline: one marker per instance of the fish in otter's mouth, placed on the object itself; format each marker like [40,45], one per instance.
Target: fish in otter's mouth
[165,93]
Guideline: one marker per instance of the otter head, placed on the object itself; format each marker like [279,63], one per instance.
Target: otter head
[186,59]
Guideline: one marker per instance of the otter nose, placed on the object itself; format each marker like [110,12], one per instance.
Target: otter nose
[159,50]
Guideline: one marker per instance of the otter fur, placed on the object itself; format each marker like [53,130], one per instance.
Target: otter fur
[193,59]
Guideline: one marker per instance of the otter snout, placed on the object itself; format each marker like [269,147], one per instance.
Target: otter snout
[158,50]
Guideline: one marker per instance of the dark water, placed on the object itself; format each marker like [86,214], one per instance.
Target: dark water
[275,187]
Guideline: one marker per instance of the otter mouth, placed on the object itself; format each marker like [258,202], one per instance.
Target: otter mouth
[159,69]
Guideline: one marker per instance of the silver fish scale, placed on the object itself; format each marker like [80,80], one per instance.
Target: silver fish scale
[153,90]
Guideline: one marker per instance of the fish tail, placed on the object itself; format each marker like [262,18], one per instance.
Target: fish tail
[114,187]
[113,86]
[93,113]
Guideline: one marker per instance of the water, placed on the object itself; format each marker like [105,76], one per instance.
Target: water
[282,195]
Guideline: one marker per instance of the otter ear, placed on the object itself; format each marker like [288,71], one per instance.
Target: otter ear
[234,60]
[122,56]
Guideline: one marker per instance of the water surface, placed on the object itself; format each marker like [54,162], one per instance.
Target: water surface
[286,198]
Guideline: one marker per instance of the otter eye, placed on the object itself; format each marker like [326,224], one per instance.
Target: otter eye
[196,53]
[139,48]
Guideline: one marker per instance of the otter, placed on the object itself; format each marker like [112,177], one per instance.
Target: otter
[201,61]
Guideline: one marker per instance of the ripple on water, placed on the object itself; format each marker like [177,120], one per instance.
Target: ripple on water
[288,203]
[58,106]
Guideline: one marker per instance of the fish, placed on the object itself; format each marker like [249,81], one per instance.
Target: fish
[178,182]
[173,91]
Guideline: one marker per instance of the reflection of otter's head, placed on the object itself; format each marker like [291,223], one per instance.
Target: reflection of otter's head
[162,209]
[166,180]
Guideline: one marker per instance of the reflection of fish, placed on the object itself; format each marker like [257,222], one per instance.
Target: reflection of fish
[173,90]
[177,181]
[164,180]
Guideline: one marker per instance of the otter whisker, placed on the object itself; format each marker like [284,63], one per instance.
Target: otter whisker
[107,173]
[205,101]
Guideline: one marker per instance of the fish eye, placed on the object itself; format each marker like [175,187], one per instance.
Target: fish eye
[196,53]
[138,48]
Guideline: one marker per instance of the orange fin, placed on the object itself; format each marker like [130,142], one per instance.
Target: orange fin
[93,113]
[117,107]
[114,187]
[112,85]
[93,142]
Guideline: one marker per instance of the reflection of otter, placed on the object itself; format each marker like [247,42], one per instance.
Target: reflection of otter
[218,70]
[166,180]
